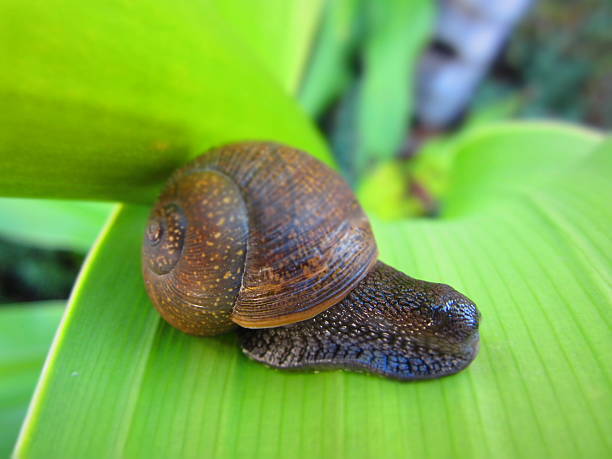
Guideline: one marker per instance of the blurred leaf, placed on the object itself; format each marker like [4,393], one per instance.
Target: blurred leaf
[537,263]
[385,193]
[26,330]
[328,71]
[279,31]
[486,108]
[397,33]
[52,224]
[103,100]
[345,136]
[521,154]
[375,112]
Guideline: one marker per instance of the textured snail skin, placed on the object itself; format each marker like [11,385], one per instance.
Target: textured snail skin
[390,324]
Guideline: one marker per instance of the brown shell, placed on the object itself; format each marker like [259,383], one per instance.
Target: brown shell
[194,252]
[294,223]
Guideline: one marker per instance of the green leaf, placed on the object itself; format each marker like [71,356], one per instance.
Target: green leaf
[26,331]
[385,192]
[536,263]
[397,33]
[373,117]
[104,100]
[519,157]
[53,224]
[280,32]
[328,71]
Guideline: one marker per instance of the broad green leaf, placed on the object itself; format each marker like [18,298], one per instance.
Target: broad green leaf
[279,31]
[26,331]
[52,224]
[104,99]
[120,382]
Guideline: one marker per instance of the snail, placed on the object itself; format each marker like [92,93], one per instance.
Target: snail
[264,238]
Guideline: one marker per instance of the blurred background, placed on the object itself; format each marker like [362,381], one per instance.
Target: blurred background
[427,76]
[391,85]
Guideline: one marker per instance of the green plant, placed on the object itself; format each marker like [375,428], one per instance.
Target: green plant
[25,336]
[102,102]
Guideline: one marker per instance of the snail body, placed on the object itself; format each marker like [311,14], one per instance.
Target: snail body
[264,237]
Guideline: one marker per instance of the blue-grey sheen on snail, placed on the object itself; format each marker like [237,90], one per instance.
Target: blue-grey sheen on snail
[263,238]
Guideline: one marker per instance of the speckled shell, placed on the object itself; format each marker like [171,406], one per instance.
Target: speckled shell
[256,234]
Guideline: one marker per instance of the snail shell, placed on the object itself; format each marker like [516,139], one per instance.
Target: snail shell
[249,235]
[265,237]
